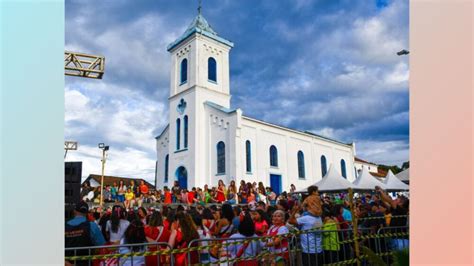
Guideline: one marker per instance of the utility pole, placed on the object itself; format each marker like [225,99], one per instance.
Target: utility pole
[104,149]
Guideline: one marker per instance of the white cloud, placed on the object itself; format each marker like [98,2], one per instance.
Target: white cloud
[383,152]
[124,162]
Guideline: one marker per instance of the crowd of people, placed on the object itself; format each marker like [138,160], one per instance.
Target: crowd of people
[249,211]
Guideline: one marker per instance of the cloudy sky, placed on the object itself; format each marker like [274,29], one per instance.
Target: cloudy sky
[321,65]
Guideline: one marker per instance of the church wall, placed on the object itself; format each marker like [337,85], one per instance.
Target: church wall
[162,146]
[288,143]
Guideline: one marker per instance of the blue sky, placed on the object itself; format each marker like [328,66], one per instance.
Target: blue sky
[321,65]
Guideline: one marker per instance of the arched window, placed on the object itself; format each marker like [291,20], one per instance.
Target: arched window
[185,131]
[184,71]
[178,133]
[343,169]
[273,156]
[301,172]
[211,69]
[167,159]
[248,158]
[221,157]
[324,167]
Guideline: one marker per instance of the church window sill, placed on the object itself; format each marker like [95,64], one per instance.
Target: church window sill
[181,150]
[212,81]
[184,82]
[219,174]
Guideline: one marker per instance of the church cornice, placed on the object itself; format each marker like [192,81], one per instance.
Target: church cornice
[304,133]
[182,93]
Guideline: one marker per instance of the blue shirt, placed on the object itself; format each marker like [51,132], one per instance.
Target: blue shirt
[96,235]
[346,214]
[310,242]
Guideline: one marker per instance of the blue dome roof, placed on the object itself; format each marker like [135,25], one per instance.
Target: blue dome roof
[199,25]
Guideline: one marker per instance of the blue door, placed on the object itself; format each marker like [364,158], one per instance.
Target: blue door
[182,176]
[275,183]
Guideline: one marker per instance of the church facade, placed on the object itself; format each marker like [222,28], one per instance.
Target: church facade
[207,140]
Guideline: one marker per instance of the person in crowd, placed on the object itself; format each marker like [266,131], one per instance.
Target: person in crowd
[261,195]
[220,197]
[81,233]
[183,232]
[175,190]
[135,234]
[117,225]
[251,198]
[155,232]
[191,196]
[107,194]
[238,215]
[122,189]
[85,189]
[232,193]
[204,233]
[129,198]
[246,251]
[168,197]
[113,192]
[144,193]
[311,243]
[271,196]
[278,246]
[142,214]
[331,245]
[312,203]
[224,226]
[184,196]
[261,226]
[208,221]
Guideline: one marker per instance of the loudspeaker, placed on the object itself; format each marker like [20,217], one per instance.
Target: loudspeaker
[72,172]
[72,193]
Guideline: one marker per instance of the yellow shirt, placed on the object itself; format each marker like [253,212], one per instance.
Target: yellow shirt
[129,195]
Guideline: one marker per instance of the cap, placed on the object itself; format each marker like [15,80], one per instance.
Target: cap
[82,207]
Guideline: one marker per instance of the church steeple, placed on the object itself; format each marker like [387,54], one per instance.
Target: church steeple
[201,26]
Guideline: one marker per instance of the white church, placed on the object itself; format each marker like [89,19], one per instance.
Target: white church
[207,140]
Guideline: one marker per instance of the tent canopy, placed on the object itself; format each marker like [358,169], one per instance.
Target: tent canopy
[332,181]
[366,181]
[392,183]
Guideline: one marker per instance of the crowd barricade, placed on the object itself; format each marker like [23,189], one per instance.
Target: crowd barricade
[310,247]
[158,253]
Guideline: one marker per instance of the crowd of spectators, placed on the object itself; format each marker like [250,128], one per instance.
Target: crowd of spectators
[252,210]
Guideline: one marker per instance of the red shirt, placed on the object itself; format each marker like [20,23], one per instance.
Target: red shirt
[190,197]
[144,189]
[167,197]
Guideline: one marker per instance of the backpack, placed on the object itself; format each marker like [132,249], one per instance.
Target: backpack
[78,236]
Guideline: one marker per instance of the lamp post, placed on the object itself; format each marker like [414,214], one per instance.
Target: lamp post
[104,148]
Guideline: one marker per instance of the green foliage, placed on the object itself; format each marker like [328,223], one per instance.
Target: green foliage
[401,257]
[395,169]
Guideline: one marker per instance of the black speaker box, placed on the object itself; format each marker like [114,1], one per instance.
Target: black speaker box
[72,172]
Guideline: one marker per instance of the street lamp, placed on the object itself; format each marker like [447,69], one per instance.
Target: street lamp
[104,148]
[69,146]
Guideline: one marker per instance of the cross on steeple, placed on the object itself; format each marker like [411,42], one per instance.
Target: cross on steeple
[199,7]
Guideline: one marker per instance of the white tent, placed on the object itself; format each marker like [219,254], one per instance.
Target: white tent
[332,181]
[404,175]
[393,183]
[366,181]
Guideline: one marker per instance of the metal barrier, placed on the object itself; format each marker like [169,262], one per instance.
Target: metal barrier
[310,247]
[158,253]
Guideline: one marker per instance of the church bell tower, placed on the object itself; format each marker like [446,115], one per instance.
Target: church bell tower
[199,74]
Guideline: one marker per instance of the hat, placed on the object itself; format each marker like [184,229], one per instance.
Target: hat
[82,207]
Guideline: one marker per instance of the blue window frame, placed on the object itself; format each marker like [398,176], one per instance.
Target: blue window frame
[220,157]
[324,167]
[184,71]
[212,69]
[343,169]
[273,156]
[248,156]
[185,131]
[178,133]
[167,159]
[301,171]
